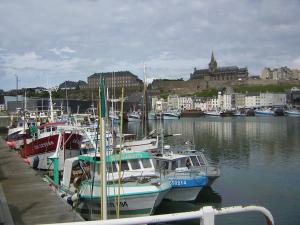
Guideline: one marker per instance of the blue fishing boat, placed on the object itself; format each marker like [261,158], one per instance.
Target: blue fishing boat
[186,182]
[264,112]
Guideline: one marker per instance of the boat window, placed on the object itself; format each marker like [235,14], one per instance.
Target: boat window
[48,129]
[124,165]
[53,128]
[174,165]
[194,161]
[111,167]
[135,164]
[182,162]
[163,165]
[146,163]
[202,163]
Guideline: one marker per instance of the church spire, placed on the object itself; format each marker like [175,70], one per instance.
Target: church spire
[213,63]
[212,56]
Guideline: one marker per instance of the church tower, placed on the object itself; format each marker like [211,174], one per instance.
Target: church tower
[212,66]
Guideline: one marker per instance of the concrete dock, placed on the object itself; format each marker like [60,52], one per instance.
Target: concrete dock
[26,196]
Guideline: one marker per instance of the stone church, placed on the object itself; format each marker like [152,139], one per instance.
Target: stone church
[215,73]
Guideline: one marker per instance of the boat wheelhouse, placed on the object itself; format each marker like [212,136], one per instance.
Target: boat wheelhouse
[186,182]
[197,160]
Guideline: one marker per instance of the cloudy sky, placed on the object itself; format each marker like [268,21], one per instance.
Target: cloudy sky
[57,40]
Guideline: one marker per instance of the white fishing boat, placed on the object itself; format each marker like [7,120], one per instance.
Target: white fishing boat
[212,113]
[129,142]
[134,116]
[292,112]
[197,160]
[171,115]
[113,115]
[141,190]
[143,145]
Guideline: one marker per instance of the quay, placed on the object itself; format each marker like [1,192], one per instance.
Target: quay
[25,198]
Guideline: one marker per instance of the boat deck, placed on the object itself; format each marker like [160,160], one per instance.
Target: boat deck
[30,200]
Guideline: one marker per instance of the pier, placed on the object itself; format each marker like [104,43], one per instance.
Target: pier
[24,197]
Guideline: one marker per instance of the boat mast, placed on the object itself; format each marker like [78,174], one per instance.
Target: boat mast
[25,101]
[102,149]
[51,105]
[145,102]
[120,155]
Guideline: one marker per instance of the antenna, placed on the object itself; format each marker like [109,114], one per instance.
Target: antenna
[17,87]
[50,102]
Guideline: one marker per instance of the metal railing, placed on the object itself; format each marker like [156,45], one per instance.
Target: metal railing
[206,215]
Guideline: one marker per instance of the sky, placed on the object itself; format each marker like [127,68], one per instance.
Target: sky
[44,43]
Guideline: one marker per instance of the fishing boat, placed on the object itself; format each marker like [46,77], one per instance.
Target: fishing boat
[143,145]
[113,115]
[292,112]
[197,160]
[171,115]
[134,116]
[43,143]
[212,113]
[141,189]
[129,142]
[18,131]
[264,112]
[186,182]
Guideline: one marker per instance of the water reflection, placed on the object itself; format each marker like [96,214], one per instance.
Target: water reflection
[259,159]
[229,140]
[207,196]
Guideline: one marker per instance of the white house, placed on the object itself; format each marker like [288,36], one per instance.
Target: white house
[272,99]
[153,103]
[212,103]
[252,100]
[161,105]
[173,102]
[186,103]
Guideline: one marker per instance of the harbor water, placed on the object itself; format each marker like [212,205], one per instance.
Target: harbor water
[259,158]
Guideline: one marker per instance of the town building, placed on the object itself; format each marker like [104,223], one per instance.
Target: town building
[198,102]
[226,101]
[252,100]
[154,99]
[215,73]
[212,104]
[173,102]
[282,73]
[293,96]
[161,105]
[240,100]
[272,99]
[186,103]
[118,79]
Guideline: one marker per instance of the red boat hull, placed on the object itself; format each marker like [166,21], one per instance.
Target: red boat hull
[49,143]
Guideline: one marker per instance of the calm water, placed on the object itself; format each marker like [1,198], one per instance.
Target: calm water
[259,159]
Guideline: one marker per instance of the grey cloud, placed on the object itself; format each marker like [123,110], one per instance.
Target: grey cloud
[172,37]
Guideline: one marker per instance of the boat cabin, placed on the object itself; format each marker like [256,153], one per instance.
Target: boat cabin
[172,162]
[133,165]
